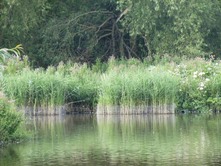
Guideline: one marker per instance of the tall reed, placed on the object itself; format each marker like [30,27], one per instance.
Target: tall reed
[137,89]
[125,87]
[51,88]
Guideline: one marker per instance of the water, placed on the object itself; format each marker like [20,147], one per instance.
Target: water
[119,140]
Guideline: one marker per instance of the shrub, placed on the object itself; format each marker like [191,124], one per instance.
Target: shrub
[10,121]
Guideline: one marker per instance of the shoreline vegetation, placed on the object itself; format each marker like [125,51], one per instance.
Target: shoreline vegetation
[130,86]
[11,122]
[116,57]
[123,87]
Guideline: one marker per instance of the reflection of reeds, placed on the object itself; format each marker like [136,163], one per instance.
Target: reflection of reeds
[43,110]
[119,140]
[175,138]
[137,134]
[136,124]
[139,120]
[66,121]
[133,110]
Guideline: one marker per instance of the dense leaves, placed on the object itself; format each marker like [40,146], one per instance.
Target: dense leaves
[84,30]
[174,26]
[10,121]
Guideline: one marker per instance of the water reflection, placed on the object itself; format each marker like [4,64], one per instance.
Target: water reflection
[119,140]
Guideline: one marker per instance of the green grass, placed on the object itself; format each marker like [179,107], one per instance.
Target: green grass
[138,87]
[118,86]
[51,88]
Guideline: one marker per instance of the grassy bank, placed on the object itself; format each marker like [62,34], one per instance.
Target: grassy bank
[125,87]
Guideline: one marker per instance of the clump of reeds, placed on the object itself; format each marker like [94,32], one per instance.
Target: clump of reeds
[137,89]
[48,89]
[117,87]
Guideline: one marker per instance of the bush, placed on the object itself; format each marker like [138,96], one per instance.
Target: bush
[10,121]
[200,88]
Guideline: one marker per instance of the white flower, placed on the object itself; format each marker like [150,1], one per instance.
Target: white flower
[201,88]
[201,84]
[207,79]
[201,73]
[194,76]
[195,73]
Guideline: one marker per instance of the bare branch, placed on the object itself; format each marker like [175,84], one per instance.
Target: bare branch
[105,35]
[123,13]
[91,12]
[103,24]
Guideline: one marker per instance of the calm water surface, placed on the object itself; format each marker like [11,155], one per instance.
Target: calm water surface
[118,140]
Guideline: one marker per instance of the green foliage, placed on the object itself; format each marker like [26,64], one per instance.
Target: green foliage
[99,67]
[77,30]
[83,31]
[200,87]
[19,18]
[12,60]
[133,84]
[66,84]
[6,54]
[172,26]
[10,121]
[192,85]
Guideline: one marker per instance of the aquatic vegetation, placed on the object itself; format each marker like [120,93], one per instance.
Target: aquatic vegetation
[131,86]
[139,87]
[200,86]
[50,88]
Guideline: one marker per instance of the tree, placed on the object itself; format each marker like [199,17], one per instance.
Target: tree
[82,30]
[78,30]
[18,18]
[176,27]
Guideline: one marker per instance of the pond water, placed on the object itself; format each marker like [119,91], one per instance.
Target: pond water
[118,140]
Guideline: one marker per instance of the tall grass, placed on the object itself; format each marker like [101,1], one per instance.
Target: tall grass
[117,87]
[137,89]
[48,89]
[35,88]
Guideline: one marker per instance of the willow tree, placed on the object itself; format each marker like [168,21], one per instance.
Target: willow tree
[181,27]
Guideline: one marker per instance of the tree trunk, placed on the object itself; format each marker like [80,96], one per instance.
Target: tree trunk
[1,39]
[147,43]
